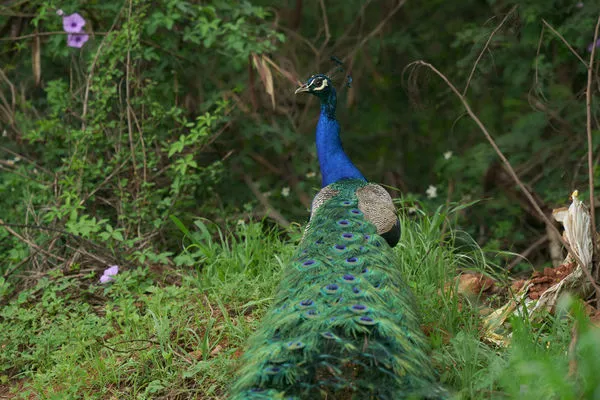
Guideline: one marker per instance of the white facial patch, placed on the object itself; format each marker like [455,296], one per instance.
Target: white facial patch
[323,86]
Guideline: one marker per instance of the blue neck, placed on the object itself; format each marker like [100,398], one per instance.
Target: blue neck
[333,161]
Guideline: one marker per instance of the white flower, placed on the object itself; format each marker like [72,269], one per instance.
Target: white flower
[241,222]
[310,174]
[285,192]
[431,192]
[267,194]
[447,155]
[412,210]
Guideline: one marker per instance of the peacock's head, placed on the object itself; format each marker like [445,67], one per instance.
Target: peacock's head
[320,85]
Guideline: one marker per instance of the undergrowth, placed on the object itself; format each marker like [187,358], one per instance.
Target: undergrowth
[158,332]
[152,332]
[184,108]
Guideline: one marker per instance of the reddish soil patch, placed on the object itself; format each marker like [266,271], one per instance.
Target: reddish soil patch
[543,280]
[517,285]
[473,284]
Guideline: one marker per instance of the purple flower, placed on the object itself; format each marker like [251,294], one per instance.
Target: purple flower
[593,45]
[77,39]
[73,23]
[108,274]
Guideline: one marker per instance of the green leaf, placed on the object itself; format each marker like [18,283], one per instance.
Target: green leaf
[118,236]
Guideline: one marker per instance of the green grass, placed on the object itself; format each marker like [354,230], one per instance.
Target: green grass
[158,332]
[153,332]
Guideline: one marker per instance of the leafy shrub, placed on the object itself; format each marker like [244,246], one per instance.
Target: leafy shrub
[123,140]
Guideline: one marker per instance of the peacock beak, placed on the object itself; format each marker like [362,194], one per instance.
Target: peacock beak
[302,89]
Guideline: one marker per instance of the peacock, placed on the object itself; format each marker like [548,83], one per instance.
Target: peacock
[343,324]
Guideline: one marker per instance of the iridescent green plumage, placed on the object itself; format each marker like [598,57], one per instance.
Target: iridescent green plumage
[344,324]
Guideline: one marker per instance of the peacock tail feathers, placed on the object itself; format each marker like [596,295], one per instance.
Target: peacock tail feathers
[343,324]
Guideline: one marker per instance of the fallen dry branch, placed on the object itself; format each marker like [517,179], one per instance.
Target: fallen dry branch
[541,293]
[30,243]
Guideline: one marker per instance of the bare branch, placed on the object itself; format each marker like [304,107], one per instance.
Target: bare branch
[485,48]
[88,83]
[326,22]
[565,42]
[34,35]
[128,94]
[30,243]
[375,31]
[523,256]
[270,211]
[510,170]
[588,103]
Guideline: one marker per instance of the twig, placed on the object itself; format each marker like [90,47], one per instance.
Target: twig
[142,142]
[511,170]
[50,229]
[12,91]
[374,31]
[11,13]
[30,243]
[553,114]
[21,156]
[537,57]
[87,253]
[10,167]
[527,252]
[261,160]
[485,48]
[127,92]
[9,272]
[108,178]
[88,83]
[360,15]
[270,211]
[326,22]
[283,72]
[33,35]
[301,38]
[588,103]
[565,42]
